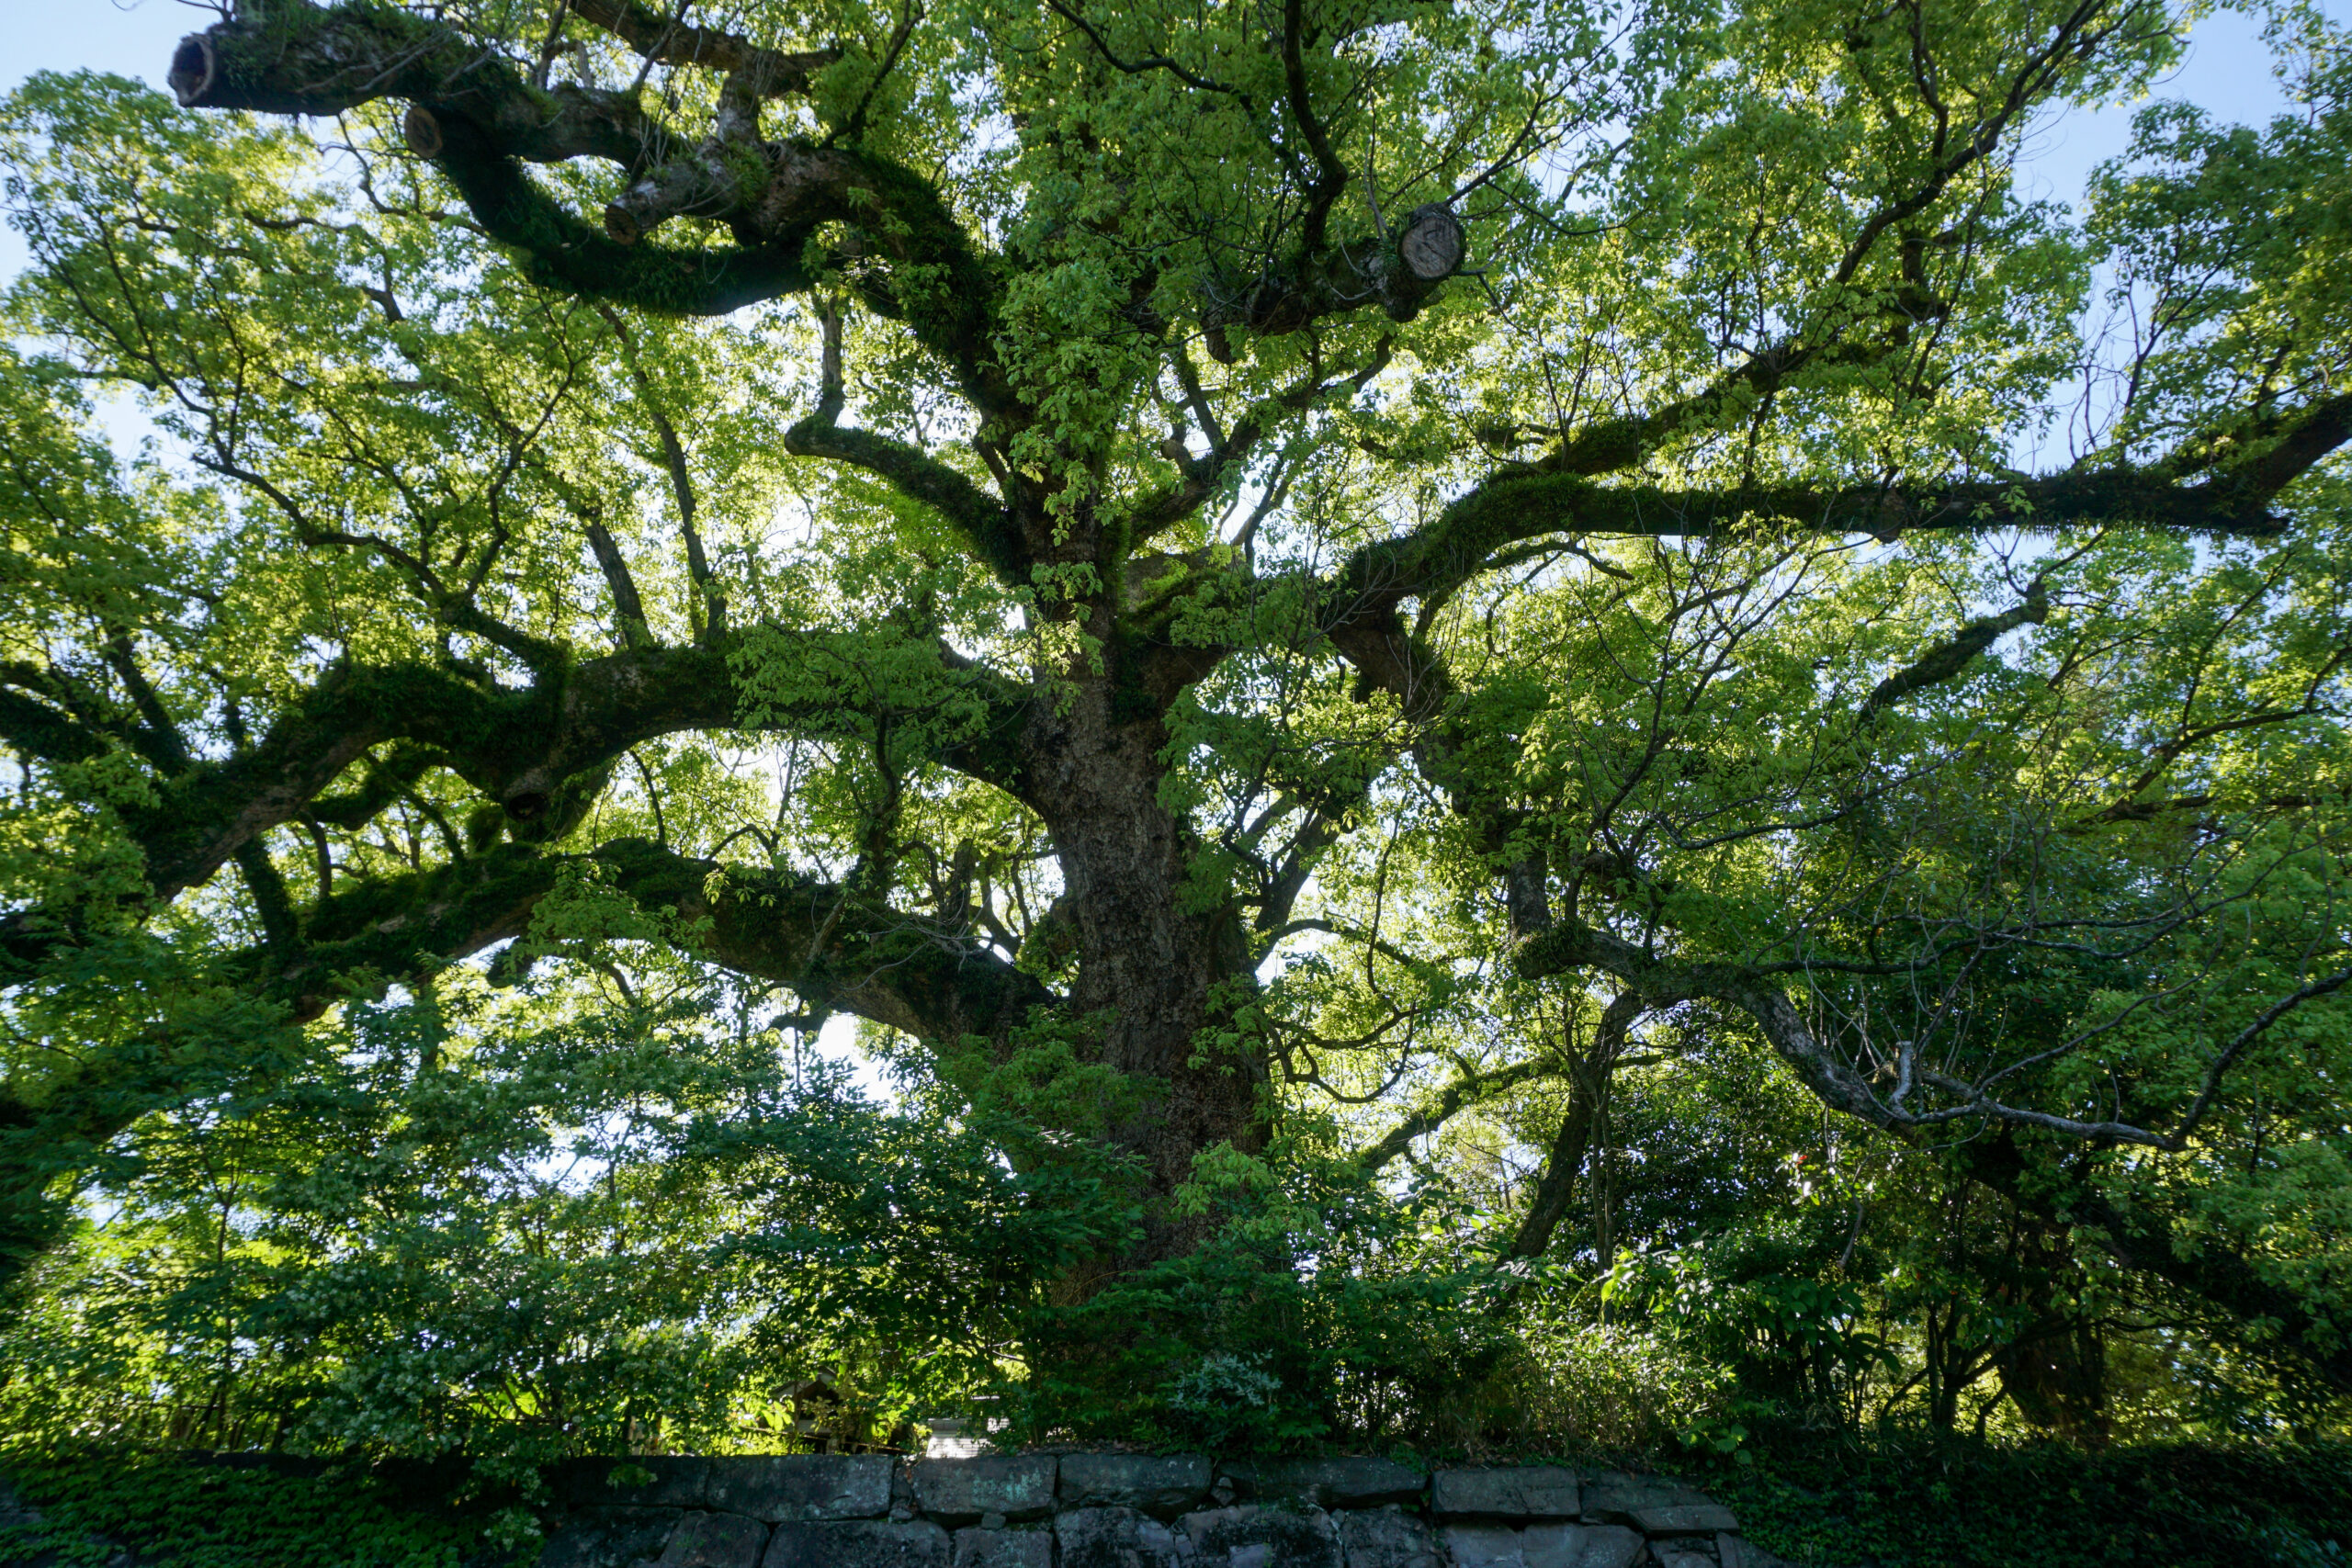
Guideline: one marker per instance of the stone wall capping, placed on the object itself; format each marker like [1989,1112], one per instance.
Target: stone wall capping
[1654,1505]
[1163,1486]
[1533,1492]
[1353,1482]
[965,1490]
[798,1488]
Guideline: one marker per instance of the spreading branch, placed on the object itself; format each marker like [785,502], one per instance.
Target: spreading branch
[1465,1089]
[1565,1158]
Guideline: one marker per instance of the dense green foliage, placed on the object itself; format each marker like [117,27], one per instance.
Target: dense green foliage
[1958,1505]
[1719,817]
[94,1502]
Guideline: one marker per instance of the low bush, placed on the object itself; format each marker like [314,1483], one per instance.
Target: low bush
[1958,1503]
[200,1513]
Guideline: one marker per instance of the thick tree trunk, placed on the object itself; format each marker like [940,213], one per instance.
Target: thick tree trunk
[1154,972]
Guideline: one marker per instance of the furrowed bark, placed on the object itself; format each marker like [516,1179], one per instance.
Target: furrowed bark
[1157,973]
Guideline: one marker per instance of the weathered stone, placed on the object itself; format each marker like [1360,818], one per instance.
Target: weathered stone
[1484,1546]
[1115,1538]
[1382,1538]
[1685,1518]
[829,1512]
[858,1543]
[715,1540]
[1680,1556]
[1261,1537]
[1557,1545]
[1165,1486]
[1607,1546]
[985,1548]
[1616,1498]
[1327,1482]
[1533,1492]
[678,1480]
[783,1488]
[960,1491]
[609,1537]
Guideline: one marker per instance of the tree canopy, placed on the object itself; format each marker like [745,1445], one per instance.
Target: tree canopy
[1564,652]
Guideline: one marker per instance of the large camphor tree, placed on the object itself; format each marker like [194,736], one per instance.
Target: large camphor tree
[1212,562]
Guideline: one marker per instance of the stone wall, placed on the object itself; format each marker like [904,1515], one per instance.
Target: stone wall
[1102,1510]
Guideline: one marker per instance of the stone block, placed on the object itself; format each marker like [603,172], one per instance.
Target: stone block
[1616,1491]
[1607,1546]
[1532,1491]
[679,1481]
[1260,1538]
[1680,1556]
[1115,1538]
[715,1540]
[781,1488]
[858,1543]
[1686,1518]
[1326,1482]
[984,1548]
[1382,1538]
[1163,1486]
[1654,1505]
[609,1537]
[1559,1545]
[960,1491]
[1484,1546]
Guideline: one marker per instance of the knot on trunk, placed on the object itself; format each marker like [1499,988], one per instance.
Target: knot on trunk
[194,66]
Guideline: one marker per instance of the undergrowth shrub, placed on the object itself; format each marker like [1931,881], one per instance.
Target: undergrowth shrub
[1954,1502]
[94,1499]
